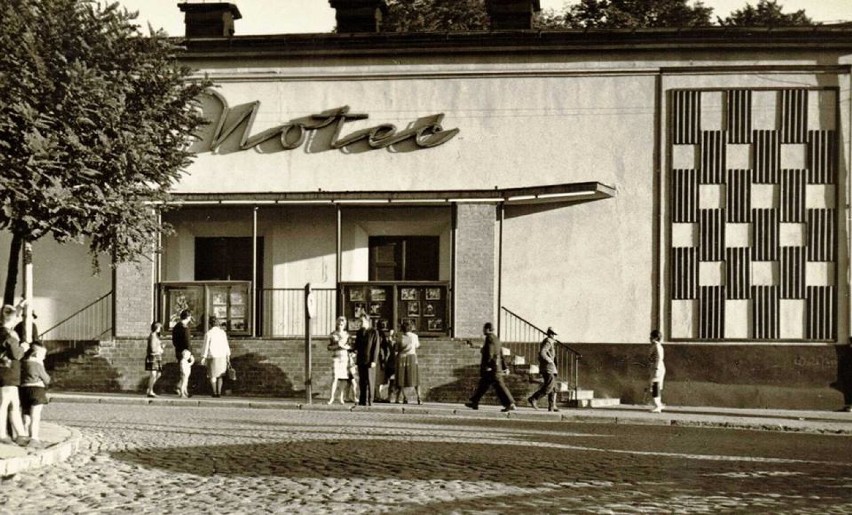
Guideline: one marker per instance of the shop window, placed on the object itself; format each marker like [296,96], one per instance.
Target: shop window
[404,258]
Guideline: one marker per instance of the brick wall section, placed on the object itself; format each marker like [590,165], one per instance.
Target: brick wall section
[133,297]
[449,369]
[784,377]
[474,269]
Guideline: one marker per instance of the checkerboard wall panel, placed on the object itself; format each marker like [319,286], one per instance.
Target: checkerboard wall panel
[765,311]
[783,225]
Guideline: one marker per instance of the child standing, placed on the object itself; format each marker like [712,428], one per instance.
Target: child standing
[34,381]
[186,362]
[658,370]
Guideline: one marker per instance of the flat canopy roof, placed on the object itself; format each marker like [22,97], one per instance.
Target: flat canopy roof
[557,193]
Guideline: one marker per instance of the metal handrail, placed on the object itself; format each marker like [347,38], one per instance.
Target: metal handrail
[101,314]
[574,371]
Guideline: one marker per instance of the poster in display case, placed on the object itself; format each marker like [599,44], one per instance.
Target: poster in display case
[179,298]
[423,305]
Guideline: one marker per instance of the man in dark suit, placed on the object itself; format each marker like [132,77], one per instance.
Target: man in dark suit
[367,344]
[491,372]
[182,337]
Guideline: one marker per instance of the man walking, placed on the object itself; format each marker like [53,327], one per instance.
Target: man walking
[491,372]
[367,343]
[547,368]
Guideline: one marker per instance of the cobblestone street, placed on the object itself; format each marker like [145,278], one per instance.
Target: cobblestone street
[163,459]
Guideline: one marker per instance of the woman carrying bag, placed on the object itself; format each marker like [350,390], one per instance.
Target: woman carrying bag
[216,355]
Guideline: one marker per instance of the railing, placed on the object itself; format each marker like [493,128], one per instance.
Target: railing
[523,339]
[282,311]
[92,322]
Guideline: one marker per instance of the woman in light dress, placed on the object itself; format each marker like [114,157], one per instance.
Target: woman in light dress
[216,355]
[407,372]
[339,348]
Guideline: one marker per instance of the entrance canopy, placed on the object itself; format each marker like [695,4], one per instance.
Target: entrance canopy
[558,193]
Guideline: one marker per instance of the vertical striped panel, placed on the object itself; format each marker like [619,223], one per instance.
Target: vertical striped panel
[820,313]
[711,323]
[767,157]
[765,225]
[792,264]
[684,196]
[712,157]
[684,273]
[793,196]
[822,157]
[738,122]
[738,196]
[794,115]
[765,310]
[822,239]
[738,272]
[686,106]
[711,232]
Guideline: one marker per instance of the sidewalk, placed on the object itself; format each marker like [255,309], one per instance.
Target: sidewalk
[59,443]
[759,419]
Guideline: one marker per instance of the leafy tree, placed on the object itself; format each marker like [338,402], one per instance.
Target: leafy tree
[435,15]
[94,124]
[610,14]
[767,13]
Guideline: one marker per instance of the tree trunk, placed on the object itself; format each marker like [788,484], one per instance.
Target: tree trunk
[28,290]
[12,269]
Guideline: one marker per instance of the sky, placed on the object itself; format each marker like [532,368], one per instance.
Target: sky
[294,16]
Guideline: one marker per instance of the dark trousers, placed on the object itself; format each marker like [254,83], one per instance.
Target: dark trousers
[366,382]
[548,388]
[485,382]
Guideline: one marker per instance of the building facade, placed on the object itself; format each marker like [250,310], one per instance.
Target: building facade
[602,182]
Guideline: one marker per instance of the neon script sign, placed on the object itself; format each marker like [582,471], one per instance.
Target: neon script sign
[425,132]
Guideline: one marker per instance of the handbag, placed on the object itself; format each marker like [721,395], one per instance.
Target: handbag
[232,373]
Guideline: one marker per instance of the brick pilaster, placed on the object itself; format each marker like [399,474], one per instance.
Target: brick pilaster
[133,296]
[474,269]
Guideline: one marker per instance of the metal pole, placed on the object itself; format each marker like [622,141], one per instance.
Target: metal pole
[308,315]
[254,272]
[500,272]
[339,265]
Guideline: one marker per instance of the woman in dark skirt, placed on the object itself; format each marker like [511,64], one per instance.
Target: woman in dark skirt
[407,372]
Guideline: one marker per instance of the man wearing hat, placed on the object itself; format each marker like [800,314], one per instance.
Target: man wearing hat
[547,368]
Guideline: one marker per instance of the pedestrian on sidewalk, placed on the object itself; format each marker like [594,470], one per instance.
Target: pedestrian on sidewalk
[182,338]
[367,343]
[339,348]
[216,355]
[658,370]
[491,372]
[11,352]
[186,362]
[386,366]
[154,357]
[548,371]
[33,391]
[407,370]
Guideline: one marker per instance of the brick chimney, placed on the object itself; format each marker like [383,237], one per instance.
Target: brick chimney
[215,20]
[512,14]
[359,15]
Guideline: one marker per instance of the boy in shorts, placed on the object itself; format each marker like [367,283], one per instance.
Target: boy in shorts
[34,381]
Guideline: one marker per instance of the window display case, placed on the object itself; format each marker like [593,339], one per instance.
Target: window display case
[423,305]
[229,301]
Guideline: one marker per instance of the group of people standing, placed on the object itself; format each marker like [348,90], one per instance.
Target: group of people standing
[23,380]
[215,356]
[375,365]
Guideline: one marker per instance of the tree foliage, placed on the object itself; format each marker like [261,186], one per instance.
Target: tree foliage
[609,14]
[435,15]
[95,119]
[767,13]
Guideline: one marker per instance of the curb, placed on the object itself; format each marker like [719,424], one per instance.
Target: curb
[670,418]
[56,453]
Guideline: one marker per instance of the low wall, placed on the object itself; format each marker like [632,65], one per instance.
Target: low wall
[787,377]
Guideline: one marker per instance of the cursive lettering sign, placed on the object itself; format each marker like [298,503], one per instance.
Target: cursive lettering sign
[426,132]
